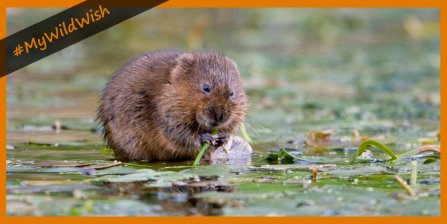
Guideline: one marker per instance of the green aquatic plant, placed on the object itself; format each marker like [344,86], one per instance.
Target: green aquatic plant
[414,173]
[245,135]
[203,149]
[429,160]
[366,145]
[284,156]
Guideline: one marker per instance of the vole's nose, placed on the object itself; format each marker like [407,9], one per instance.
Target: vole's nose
[218,116]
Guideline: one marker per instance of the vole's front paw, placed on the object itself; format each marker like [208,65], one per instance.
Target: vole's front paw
[214,140]
[219,140]
[207,137]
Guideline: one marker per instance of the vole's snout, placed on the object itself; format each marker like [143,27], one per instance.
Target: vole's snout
[219,116]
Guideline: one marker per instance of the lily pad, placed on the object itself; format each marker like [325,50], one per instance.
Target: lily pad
[144,175]
[294,167]
[216,170]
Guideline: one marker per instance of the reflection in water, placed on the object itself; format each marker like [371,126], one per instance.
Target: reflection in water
[179,198]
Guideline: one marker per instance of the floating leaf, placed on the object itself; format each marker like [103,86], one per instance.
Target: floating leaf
[43,170]
[293,167]
[273,158]
[116,170]
[220,170]
[431,148]
[283,156]
[323,139]
[363,170]
[421,149]
[426,141]
[143,175]
[287,157]
[51,189]
[49,182]
[429,160]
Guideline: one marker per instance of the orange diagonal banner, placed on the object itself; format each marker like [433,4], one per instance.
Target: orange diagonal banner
[66,28]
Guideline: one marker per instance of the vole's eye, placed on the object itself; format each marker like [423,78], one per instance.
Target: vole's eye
[206,88]
[231,93]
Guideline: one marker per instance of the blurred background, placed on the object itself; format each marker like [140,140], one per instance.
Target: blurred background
[374,70]
[300,67]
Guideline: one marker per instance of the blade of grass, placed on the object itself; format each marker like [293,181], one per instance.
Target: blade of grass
[366,144]
[203,149]
[245,134]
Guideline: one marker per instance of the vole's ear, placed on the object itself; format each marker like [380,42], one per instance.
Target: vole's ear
[232,66]
[185,63]
[232,62]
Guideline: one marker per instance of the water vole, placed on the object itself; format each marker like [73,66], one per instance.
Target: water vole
[164,105]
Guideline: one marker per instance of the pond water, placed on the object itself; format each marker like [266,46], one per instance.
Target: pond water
[376,71]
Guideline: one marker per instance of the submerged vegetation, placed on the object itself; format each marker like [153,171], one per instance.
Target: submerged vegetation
[344,118]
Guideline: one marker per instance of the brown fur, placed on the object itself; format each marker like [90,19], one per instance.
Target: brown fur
[155,107]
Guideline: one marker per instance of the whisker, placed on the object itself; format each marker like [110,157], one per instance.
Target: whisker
[252,128]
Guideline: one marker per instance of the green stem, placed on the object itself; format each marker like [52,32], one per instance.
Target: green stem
[366,144]
[414,173]
[203,149]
